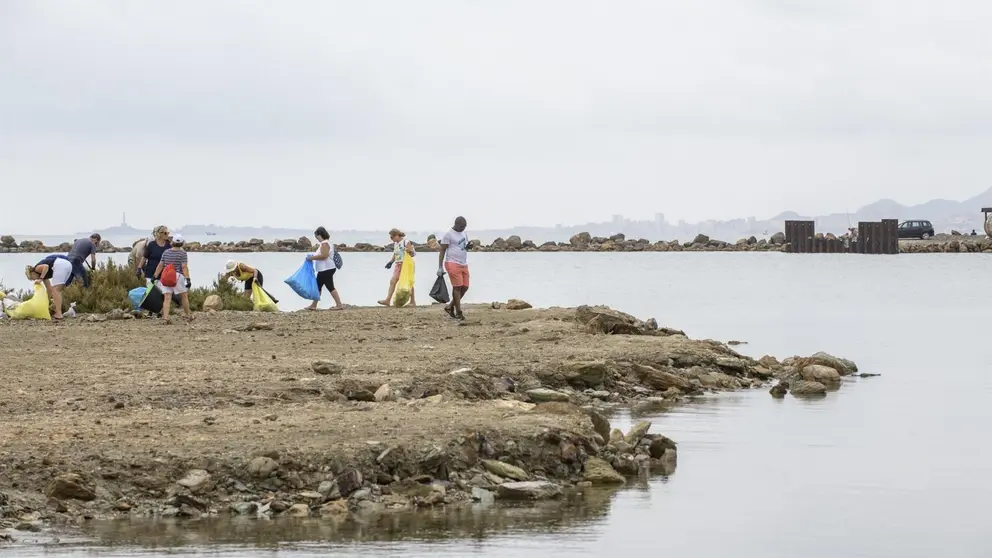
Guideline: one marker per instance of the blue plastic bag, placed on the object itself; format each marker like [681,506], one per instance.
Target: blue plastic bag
[304,281]
[136,295]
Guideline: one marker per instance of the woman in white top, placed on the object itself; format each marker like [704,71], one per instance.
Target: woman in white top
[55,272]
[323,264]
[402,249]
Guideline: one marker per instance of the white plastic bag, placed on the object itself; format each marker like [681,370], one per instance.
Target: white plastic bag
[71,312]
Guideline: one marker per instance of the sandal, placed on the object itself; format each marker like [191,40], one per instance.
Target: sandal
[383,303]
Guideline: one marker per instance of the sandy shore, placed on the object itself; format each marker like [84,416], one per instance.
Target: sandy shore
[288,413]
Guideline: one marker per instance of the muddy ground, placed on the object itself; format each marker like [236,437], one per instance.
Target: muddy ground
[287,413]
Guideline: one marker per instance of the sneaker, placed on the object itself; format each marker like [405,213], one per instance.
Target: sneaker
[449,311]
[459,316]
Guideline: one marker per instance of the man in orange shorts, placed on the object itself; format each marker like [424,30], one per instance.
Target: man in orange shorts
[453,259]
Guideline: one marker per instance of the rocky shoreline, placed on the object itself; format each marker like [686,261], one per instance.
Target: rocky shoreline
[405,410]
[582,242]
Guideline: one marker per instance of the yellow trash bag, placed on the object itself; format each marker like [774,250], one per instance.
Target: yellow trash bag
[404,285]
[34,309]
[261,300]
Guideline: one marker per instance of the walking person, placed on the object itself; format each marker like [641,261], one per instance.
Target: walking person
[453,259]
[151,255]
[176,257]
[402,249]
[56,271]
[246,273]
[323,264]
[81,249]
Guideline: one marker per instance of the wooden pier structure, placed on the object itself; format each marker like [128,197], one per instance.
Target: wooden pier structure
[874,237]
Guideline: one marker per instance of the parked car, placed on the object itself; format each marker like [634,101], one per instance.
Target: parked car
[916,229]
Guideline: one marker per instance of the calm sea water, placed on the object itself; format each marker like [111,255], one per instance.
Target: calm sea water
[891,466]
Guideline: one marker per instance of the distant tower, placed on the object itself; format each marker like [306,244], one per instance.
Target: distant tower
[124,219]
[659,218]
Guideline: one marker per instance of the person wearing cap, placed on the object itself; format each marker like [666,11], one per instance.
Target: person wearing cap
[179,259]
[402,248]
[81,249]
[246,273]
[56,272]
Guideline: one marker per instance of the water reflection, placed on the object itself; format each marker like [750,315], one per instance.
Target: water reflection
[578,510]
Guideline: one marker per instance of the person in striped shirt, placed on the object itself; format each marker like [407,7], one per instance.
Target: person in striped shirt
[179,259]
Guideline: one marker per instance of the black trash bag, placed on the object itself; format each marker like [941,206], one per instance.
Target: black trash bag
[155,299]
[439,291]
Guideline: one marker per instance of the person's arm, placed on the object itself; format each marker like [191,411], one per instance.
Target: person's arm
[158,270]
[93,257]
[440,257]
[42,271]
[189,282]
[322,254]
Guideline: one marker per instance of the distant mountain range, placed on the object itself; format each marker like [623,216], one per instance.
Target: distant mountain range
[946,215]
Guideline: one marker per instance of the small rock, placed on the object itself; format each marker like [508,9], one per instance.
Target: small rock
[337,508]
[544,395]
[804,387]
[505,470]
[843,366]
[271,418]
[213,302]
[598,471]
[244,508]
[70,486]
[820,373]
[600,424]
[349,481]
[310,495]
[196,481]
[298,510]
[516,304]
[661,444]
[779,390]
[326,367]
[262,467]
[32,526]
[529,490]
[384,393]
[329,490]
[637,432]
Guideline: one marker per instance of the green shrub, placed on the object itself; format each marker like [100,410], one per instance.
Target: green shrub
[109,284]
[232,297]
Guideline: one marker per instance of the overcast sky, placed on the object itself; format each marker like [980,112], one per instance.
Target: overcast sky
[373,114]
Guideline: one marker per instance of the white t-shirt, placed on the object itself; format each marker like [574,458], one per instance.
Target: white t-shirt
[324,265]
[457,243]
[61,271]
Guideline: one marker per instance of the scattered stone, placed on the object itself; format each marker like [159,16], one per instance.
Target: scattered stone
[513,404]
[329,490]
[244,508]
[661,445]
[262,467]
[805,387]
[505,470]
[271,417]
[843,366]
[637,432]
[213,302]
[196,481]
[384,393]
[298,510]
[71,486]
[544,395]
[600,424]
[585,374]
[820,373]
[310,495]
[768,361]
[779,390]
[529,490]
[517,304]
[335,509]
[255,326]
[661,378]
[326,367]
[349,481]
[599,471]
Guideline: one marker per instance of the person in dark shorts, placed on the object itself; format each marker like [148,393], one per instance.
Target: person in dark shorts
[246,273]
[81,249]
[323,264]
